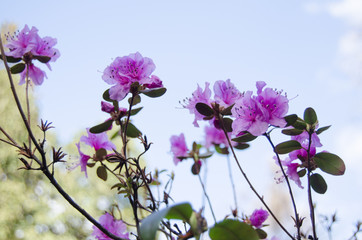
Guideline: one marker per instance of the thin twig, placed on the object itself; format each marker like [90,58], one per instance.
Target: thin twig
[9,137]
[251,185]
[27,100]
[207,197]
[310,200]
[232,182]
[297,221]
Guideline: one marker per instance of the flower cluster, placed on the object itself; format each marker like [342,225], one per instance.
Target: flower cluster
[124,71]
[225,95]
[28,46]
[292,162]
[96,141]
[255,113]
[116,227]
[258,217]
[178,148]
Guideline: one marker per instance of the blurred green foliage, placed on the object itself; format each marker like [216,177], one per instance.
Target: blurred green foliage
[30,208]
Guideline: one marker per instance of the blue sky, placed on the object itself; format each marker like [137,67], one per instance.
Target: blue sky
[311,49]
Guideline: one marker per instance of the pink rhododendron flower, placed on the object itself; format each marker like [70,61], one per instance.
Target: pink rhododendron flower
[258,217]
[35,74]
[248,116]
[255,113]
[107,107]
[98,141]
[274,105]
[292,170]
[153,82]
[21,43]
[198,96]
[178,147]
[226,93]
[214,136]
[126,70]
[44,47]
[27,44]
[116,227]
[303,139]
[83,160]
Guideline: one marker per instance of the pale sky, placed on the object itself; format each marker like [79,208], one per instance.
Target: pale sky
[310,49]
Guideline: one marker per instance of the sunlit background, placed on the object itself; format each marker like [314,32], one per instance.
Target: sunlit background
[310,49]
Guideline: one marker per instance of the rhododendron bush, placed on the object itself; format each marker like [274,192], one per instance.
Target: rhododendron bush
[233,119]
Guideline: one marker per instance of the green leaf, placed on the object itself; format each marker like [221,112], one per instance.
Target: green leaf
[132,131]
[136,100]
[224,150]
[230,229]
[242,146]
[155,92]
[135,111]
[261,233]
[330,163]
[102,173]
[322,129]
[150,224]
[246,137]
[101,154]
[227,111]
[101,127]
[310,116]
[106,96]
[292,131]
[205,155]
[302,172]
[42,59]
[10,59]
[227,124]
[290,119]
[18,68]
[318,183]
[300,124]
[287,147]
[204,109]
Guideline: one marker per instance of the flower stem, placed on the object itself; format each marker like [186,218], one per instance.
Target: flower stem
[27,100]
[251,185]
[207,197]
[232,182]
[297,220]
[310,200]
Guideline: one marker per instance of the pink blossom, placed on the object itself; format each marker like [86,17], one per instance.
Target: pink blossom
[226,93]
[22,43]
[248,116]
[83,160]
[126,70]
[116,227]
[198,96]
[35,74]
[292,170]
[273,104]
[178,147]
[107,107]
[255,113]
[153,82]
[258,217]
[27,45]
[44,47]
[214,136]
[303,139]
[98,141]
